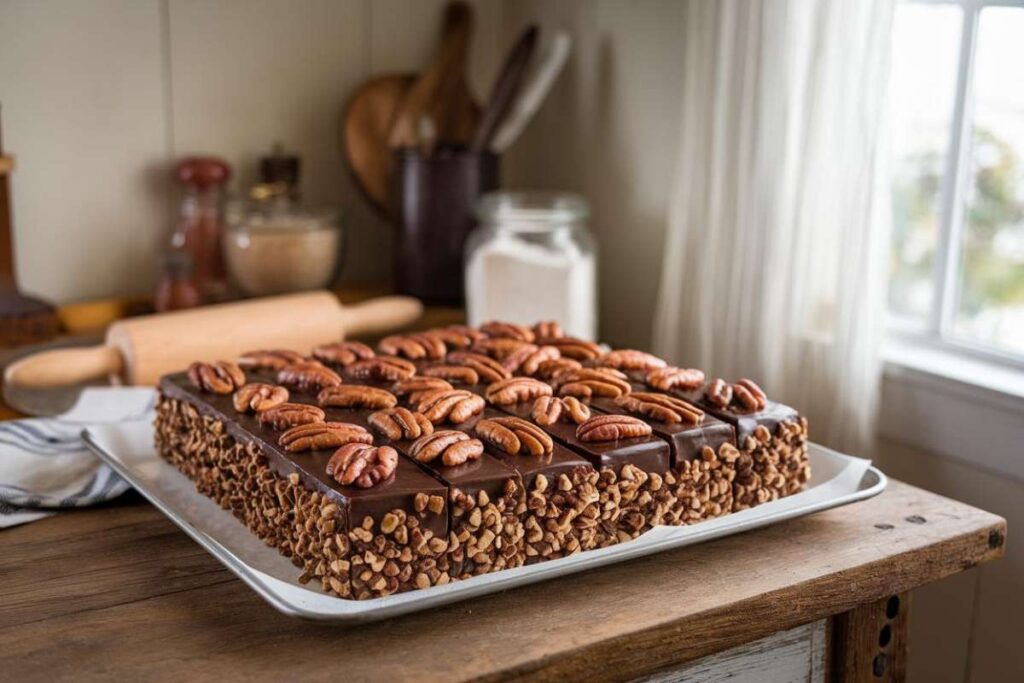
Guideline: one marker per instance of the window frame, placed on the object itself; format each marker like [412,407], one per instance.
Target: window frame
[937,331]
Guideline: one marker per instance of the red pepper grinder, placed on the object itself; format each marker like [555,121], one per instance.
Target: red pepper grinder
[199,229]
[176,290]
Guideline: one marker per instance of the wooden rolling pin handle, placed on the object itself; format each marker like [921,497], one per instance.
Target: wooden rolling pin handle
[384,314]
[63,367]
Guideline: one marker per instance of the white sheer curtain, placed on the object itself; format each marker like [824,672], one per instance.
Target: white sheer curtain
[774,263]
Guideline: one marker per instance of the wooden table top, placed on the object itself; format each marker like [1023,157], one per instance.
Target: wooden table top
[120,592]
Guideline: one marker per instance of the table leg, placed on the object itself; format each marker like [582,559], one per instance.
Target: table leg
[869,643]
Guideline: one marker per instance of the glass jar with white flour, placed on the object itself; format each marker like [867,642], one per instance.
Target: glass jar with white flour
[532,259]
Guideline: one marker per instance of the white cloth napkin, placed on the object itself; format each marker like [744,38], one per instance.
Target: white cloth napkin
[44,466]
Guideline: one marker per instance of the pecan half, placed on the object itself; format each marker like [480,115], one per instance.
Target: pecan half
[552,369]
[503,330]
[486,368]
[456,374]
[661,407]
[512,361]
[547,410]
[220,377]
[343,353]
[257,396]
[630,359]
[414,388]
[455,336]
[612,428]
[749,395]
[548,329]
[362,465]
[355,396]
[382,369]
[514,434]
[473,334]
[669,378]
[516,390]
[498,348]
[454,448]
[588,382]
[308,376]
[400,423]
[571,347]
[532,363]
[273,359]
[289,415]
[320,435]
[413,346]
[452,405]
[718,393]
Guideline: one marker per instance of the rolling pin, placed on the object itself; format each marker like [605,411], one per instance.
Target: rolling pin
[139,350]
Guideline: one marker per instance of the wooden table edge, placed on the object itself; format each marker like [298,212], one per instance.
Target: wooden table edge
[672,643]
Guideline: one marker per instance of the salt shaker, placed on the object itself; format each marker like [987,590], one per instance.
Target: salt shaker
[532,258]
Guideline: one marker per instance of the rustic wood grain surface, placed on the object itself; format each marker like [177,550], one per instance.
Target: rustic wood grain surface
[120,592]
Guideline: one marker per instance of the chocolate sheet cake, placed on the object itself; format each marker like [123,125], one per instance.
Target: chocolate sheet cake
[458,451]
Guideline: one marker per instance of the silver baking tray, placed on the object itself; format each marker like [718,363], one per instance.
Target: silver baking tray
[128,448]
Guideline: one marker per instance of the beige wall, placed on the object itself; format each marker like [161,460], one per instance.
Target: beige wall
[609,132]
[99,97]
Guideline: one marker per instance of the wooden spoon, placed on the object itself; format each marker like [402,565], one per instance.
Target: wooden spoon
[441,86]
[369,117]
[505,88]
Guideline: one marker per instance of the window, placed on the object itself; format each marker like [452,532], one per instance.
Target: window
[957,139]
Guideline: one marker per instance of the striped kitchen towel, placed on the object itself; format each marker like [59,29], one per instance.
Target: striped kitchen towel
[44,466]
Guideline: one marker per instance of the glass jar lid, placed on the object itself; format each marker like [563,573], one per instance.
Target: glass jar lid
[532,208]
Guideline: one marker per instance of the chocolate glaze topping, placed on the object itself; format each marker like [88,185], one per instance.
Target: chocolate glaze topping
[686,441]
[396,492]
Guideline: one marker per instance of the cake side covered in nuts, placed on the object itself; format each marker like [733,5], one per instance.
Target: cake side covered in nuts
[375,562]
